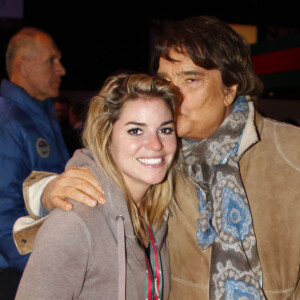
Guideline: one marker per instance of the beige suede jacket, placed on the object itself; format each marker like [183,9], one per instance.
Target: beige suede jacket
[270,169]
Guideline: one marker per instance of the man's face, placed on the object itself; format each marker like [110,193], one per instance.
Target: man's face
[44,70]
[206,101]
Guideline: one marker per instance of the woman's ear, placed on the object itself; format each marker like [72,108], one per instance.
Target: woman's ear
[230,93]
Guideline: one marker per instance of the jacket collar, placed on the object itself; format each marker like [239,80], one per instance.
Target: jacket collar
[19,97]
[250,135]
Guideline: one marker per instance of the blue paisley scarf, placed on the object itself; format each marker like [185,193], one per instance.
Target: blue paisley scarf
[225,220]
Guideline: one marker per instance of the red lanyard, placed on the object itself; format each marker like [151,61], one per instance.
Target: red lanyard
[154,276]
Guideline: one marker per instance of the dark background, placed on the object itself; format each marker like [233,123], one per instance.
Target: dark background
[97,38]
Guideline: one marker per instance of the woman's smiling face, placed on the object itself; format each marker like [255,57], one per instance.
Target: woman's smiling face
[143,142]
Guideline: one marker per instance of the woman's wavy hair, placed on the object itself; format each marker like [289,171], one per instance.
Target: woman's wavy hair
[105,109]
[211,44]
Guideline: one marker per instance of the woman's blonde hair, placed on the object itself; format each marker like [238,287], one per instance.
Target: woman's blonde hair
[105,109]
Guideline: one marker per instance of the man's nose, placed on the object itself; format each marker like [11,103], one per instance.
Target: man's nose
[60,68]
[179,90]
[154,142]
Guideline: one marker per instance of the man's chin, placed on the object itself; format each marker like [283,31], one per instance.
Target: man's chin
[182,132]
[185,131]
[54,93]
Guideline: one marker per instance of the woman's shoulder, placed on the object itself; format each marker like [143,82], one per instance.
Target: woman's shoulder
[81,215]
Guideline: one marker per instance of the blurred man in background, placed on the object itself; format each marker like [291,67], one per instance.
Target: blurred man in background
[30,136]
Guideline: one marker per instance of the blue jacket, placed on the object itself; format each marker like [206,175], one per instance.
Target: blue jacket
[30,139]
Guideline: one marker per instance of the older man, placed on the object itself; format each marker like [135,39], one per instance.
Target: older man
[237,233]
[30,136]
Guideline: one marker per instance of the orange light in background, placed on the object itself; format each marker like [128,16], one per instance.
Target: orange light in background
[249,32]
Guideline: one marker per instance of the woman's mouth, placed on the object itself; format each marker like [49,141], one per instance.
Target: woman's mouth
[151,161]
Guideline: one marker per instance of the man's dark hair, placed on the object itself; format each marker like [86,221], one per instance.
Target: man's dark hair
[211,44]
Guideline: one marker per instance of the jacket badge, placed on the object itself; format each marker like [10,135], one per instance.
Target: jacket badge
[42,147]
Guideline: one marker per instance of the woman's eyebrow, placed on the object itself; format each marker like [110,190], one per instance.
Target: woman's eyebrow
[144,124]
[167,122]
[135,123]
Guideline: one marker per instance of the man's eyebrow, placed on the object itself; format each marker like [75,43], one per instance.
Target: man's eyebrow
[182,73]
[56,54]
[191,72]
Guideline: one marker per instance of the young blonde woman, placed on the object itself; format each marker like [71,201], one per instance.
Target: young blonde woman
[116,250]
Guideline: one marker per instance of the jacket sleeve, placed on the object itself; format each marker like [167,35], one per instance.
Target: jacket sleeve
[13,170]
[59,260]
[33,188]
[26,227]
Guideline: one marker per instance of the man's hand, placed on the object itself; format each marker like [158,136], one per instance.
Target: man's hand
[77,183]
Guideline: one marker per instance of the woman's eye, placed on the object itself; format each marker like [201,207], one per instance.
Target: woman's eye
[135,131]
[167,130]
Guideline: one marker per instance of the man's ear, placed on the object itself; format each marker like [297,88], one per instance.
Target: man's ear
[230,93]
[20,66]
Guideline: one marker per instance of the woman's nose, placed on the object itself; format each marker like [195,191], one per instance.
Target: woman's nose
[154,143]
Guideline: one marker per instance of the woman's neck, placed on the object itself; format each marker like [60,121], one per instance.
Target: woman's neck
[137,193]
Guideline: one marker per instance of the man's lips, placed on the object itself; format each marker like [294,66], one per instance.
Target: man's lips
[56,82]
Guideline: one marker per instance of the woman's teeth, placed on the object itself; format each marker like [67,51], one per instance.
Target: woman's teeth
[150,161]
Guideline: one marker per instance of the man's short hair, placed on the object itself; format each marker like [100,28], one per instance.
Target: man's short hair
[24,38]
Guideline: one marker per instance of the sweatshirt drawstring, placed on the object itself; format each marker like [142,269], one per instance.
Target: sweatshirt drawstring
[122,258]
